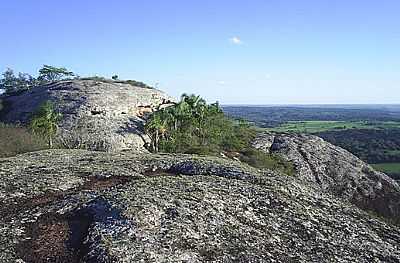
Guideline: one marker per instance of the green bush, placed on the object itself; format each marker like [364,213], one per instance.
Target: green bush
[45,121]
[15,84]
[190,124]
[194,127]
[16,139]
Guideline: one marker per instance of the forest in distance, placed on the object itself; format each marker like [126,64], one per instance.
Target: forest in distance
[371,132]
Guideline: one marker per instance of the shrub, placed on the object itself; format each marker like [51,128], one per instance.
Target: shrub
[192,126]
[45,122]
[17,139]
[136,83]
[259,159]
[12,84]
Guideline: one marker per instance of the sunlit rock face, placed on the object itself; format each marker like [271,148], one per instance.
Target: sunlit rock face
[81,206]
[97,115]
[335,170]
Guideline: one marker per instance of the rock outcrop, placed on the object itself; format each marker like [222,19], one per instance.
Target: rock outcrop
[80,206]
[335,170]
[97,115]
[132,206]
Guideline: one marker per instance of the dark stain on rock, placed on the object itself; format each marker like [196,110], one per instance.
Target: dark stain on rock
[9,209]
[47,241]
[61,238]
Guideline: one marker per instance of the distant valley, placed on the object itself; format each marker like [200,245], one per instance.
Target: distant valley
[371,132]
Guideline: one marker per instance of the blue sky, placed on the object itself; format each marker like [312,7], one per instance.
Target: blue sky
[236,52]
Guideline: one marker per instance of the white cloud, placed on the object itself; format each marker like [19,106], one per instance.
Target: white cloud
[221,82]
[236,40]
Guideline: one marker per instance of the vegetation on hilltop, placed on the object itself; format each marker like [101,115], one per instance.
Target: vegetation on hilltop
[116,80]
[191,126]
[23,81]
[13,83]
[49,73]
[195,127]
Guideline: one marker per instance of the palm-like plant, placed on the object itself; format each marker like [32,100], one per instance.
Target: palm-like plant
[157,127]
[45,121]
[186,121]
[181,112]
[194,102]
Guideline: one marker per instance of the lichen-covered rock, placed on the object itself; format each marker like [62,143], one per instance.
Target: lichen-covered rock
[80,206]
[336,171]
[97,115]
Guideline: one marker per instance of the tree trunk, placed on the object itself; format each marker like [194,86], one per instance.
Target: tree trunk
[156,141]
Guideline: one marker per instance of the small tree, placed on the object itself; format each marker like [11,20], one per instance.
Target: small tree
[9,81]
[156,128]
[49,73]
[45,121]
[25,81]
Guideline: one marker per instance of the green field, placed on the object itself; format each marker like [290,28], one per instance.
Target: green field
[392,152]
[389,168]
[321,126]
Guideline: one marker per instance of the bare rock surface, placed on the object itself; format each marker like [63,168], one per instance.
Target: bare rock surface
[335,170]
[97,115]
[81,206]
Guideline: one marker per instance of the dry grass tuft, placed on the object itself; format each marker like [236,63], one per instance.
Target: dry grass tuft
[16,139]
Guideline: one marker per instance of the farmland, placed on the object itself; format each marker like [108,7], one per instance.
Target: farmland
[322,126]
[392,169]
[371,132]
